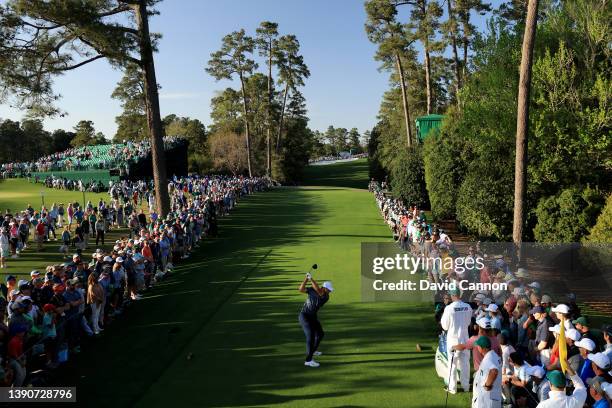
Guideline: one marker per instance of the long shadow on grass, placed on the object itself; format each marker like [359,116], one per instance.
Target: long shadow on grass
[254,354]
[117,368]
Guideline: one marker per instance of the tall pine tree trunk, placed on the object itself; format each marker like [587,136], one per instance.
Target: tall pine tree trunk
[466,42]
[522,126]
[269,118]
[153,113]
[400,73]
[453,35]
[428,77]
[280,120]
[247,130]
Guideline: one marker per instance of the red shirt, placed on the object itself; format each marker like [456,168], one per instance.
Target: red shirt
[476,356]
[15,347]
[40,228]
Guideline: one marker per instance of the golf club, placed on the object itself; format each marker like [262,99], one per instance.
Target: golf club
[312,268]
[449,376]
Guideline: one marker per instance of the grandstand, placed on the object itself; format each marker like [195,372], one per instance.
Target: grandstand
[130,160]
[85,175]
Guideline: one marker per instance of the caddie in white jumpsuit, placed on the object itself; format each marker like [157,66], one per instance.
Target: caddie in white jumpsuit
[455,321]
[487,392]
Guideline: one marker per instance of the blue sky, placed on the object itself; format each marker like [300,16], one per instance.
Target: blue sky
[344,89]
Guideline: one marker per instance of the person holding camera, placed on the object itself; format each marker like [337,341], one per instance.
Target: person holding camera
[317,296]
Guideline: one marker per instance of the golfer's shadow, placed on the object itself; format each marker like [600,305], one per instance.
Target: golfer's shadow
[378,353]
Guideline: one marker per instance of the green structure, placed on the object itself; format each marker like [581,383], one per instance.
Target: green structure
[425,124]
[86,175]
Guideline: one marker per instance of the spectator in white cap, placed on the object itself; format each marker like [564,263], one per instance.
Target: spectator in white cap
[562,312]
[484,329]
[479,310]
[496,321]
[585,346]
[600,363]
[540,386]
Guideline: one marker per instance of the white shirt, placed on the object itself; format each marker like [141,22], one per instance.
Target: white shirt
[483,398]
[558,399]
[542,390]
[506,351]
[456,319]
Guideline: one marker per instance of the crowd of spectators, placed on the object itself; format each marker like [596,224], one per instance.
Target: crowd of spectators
[512,336]
[87,158]
[63,183]
[44,319]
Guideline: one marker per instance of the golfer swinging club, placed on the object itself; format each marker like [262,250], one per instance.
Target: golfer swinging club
[317,296]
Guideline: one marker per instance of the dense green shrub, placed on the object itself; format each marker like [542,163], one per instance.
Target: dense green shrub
[485,200]
[568,216]
[444,169]
[408,177]
[602,230]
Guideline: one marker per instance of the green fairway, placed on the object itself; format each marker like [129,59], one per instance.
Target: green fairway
[223,332]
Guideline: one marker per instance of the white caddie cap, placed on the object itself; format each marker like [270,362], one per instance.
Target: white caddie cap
[607,388]
[561,308]
[492,308]
[328,285]
[587,344]
[555,329]
[601,360]
[573,334]
[536,371]
[534,285]
[484,322]
[119,259]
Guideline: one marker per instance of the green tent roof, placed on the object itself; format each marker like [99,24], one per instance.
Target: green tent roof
[426,124]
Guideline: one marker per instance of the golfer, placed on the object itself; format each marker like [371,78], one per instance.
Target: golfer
[317,296]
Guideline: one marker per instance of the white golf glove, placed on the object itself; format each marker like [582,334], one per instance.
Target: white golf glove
[308,276]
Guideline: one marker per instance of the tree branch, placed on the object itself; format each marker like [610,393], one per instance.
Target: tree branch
[114,11]
[41,27]
[80,64]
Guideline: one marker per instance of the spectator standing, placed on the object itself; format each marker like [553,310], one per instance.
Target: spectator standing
[95,298]
[100,230]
